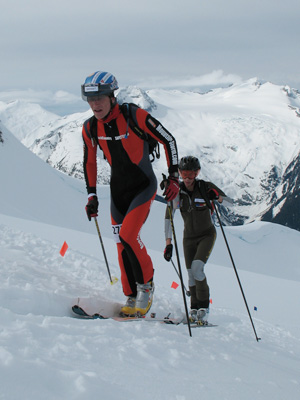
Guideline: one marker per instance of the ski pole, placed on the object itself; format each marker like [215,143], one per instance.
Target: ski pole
[236,273]
[112,281]
[187,292]
[179,267]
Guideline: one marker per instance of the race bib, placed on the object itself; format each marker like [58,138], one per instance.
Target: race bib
[116,232]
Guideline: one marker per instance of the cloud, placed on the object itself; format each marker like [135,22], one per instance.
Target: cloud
[38,96]
[213,79]
[160,42]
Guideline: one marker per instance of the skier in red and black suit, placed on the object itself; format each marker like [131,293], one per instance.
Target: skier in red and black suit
[133,183]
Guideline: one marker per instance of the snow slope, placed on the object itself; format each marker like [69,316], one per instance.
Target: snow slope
[46,353]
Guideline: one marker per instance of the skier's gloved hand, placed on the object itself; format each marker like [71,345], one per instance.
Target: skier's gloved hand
[171,188]
[168,252]
[92,207]
[213,194]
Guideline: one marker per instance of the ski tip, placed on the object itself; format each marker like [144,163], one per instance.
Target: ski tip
[79,311]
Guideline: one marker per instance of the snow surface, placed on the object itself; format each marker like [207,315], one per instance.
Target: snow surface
[47,353]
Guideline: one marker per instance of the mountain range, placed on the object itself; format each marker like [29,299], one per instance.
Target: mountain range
[245,135]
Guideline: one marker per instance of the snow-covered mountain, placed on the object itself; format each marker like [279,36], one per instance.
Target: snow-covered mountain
[47,353]
[285,209]
[246,136]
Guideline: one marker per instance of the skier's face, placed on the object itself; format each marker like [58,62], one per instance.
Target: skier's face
[189,177]
[100,105]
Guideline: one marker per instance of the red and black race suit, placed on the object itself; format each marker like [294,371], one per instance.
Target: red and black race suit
[133,184]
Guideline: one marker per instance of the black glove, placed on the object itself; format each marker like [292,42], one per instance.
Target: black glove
[92,207]
[168,252]
[213,194]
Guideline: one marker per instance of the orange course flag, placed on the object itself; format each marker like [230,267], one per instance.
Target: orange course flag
[174,285]
[63,249]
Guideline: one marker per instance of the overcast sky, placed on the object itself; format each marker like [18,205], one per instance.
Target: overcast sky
[53,45]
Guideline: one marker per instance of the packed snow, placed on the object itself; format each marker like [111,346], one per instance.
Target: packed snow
[46,352]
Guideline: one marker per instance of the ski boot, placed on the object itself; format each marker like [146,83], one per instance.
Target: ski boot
[128,309]
[199,316]
[144,298]
[202,316]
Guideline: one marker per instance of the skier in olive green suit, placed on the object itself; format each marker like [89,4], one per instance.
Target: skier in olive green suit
[195,201]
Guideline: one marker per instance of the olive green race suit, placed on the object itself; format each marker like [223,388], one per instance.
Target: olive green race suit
[199,236]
